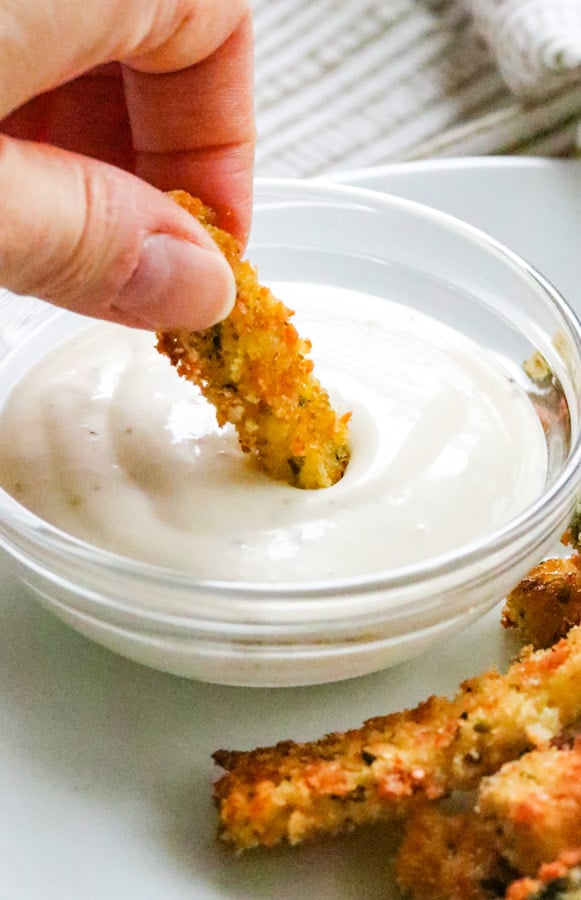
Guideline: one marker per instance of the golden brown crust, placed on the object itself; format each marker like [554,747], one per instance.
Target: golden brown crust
[449,857]
[546,603]
[256,371]
[558,880]
[526,814]
[297,791]
[532,806]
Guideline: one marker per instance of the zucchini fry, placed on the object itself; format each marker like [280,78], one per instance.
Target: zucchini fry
[256,371]
[526,814]
[292,792]
[559,880]
[546,603]
[449,857]
[532,807]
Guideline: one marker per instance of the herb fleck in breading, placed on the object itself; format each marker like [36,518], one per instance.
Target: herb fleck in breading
[292,792]
[255,368]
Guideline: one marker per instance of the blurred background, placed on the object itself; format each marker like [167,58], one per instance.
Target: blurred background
[343,84]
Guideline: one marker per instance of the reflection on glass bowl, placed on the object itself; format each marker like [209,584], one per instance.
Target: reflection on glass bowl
[308,629]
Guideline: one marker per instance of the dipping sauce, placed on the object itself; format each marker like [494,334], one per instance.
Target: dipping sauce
[103,439]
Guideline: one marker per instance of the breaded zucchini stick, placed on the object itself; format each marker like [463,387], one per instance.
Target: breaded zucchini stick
[532,807]
[526,814]
[573,534]
[296,791]
[449,857]
[559,880]
[546,603]
[256,371]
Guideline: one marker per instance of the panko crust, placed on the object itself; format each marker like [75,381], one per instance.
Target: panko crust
[449,857]
[256,370]
[532,806]
[546,603]
[558,880]
[292,792]
[526,814]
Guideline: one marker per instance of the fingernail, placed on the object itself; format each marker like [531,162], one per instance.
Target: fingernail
[177,284]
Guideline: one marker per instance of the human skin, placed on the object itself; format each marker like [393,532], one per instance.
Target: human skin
[95,94]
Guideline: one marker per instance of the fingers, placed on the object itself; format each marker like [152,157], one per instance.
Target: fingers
[192,128]
[87,115]
[65,39]
[195,128]
[90,237]
[125,252]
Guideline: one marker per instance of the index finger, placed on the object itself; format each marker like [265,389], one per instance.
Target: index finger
[194,128]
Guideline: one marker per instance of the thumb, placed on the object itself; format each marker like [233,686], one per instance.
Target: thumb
[98,241]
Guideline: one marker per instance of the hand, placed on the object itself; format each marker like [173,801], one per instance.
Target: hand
[92,92]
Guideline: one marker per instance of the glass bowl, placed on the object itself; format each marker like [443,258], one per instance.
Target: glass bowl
[307,632]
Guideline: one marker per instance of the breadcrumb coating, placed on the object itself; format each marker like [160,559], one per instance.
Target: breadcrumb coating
[525,815]
[558,880]
[573,534]
[255,368]
[546,603]
[292,792]
[532,806]
[449,857]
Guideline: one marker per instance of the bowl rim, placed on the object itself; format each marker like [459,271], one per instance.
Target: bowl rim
[24,534]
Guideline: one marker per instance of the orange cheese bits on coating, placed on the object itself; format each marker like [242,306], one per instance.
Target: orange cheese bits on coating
[254,367]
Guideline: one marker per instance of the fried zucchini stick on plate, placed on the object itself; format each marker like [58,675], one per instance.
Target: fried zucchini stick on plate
[297,791]
[532,806]
[449,857]
[256,371]
[559,880]
[526,814]
[547,602]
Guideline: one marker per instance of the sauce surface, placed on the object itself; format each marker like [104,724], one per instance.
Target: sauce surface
[102,439]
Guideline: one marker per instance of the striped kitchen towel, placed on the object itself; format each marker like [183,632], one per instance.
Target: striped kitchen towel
[350,83]
[537,43]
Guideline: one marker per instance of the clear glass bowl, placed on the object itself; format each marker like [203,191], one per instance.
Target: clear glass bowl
[305,633]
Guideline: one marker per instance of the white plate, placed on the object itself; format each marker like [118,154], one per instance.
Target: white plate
[532,205]
[105,770]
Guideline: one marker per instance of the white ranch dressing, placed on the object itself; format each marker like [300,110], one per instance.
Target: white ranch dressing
[105,441]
